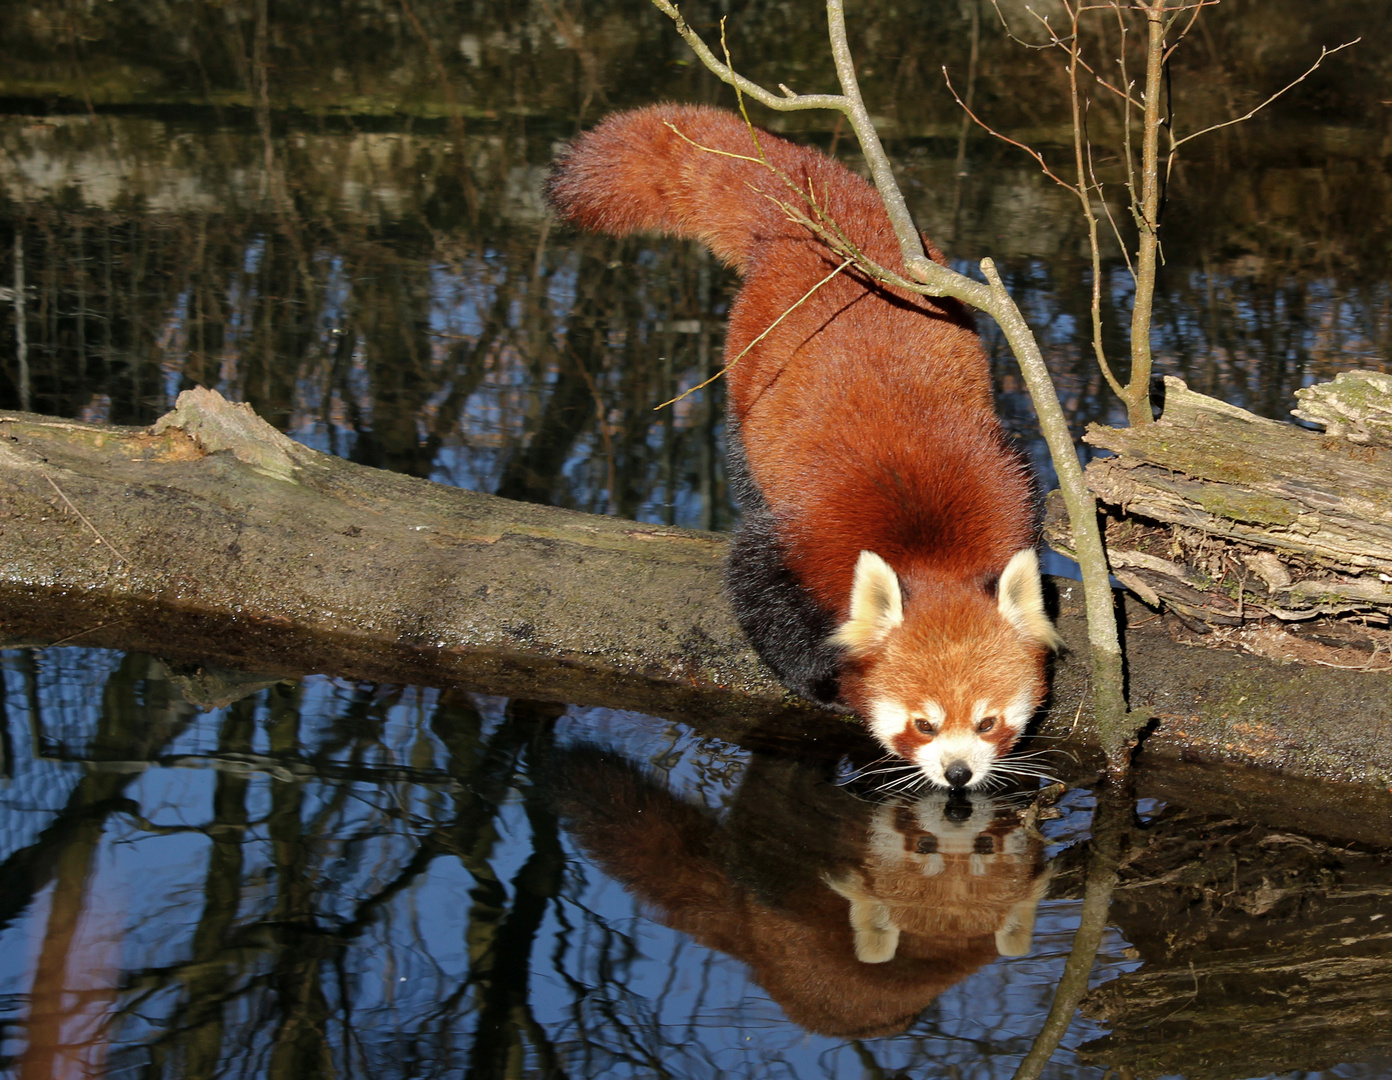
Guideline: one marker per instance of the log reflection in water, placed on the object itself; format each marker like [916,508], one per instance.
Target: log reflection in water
[330,878]
[1264,951]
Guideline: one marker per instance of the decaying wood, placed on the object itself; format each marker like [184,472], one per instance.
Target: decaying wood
[1226,517]
[212,541]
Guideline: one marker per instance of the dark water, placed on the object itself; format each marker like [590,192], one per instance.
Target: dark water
[333,212]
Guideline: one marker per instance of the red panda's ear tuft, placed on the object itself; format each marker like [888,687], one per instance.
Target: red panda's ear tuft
[1020,597]
[1016,935]
[876,936]
[877,606]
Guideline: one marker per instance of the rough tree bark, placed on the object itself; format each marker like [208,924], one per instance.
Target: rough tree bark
[211,539]
[1228,518]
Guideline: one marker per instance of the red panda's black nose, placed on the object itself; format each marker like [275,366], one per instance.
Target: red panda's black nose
[958,774]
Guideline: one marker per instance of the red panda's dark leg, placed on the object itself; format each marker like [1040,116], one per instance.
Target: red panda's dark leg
[786,626]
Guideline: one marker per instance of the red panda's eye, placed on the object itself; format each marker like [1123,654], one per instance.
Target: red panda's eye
[986,725]
[927,727]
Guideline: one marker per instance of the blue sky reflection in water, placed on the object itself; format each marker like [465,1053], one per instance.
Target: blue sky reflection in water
[267,868]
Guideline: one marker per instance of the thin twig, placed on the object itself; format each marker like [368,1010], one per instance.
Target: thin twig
[1324,52]
[1111,218]
[84,633]
[1031,151]
[827,230]
[1197,9]
[1082,161]
[787,103]
[85,521]
[767,330]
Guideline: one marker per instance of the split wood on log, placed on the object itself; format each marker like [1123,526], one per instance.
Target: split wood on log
[1227,517]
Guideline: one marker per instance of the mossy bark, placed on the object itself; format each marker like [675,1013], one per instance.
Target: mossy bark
[1226,517]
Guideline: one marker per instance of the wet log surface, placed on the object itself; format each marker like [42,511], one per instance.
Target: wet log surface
[1263,951]
[1226,517]
[213,541]
[212,537]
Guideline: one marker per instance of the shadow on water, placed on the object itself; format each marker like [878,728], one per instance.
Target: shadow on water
[336,216]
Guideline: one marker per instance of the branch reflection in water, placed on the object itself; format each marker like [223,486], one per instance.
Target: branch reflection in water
[204,876]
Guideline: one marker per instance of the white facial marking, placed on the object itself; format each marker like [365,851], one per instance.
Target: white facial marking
[936,757]
[1017,714]
[887,719]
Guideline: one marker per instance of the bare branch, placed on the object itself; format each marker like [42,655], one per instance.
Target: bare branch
[910,242]
[1197,10]
[1125,95]
[1031,151]
[790,102]
[1082,159]
[1324,52]
[1111,218]
[1010,34]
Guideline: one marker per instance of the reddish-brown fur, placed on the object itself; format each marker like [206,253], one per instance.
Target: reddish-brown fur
[694,872]
[866,415]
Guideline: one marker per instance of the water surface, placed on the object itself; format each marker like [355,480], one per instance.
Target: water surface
[335,215]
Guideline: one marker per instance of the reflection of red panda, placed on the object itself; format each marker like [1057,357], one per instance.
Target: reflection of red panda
[853,917]
[885,559]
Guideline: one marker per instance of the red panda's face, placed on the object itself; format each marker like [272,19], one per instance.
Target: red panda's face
[948,684]
[952,705]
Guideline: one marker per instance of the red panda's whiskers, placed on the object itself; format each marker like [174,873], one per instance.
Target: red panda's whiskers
[1020,771]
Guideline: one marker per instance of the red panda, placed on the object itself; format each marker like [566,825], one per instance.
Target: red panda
[885,559]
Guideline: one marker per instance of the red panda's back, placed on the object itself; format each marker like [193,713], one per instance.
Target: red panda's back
[868,423]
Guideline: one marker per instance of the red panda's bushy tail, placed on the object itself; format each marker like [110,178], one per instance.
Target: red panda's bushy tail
[653,169]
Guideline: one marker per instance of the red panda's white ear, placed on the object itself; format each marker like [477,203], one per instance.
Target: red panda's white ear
[1020,596]
[876,936]
[877,606]
[1016,934]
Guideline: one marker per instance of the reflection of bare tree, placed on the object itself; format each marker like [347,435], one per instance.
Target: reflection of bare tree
[266,984]
[75,977]
[502,960]
[405,348]
[371,881]
[373,311]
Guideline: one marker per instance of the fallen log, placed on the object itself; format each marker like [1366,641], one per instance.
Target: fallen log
[213,540]
[1225,517]
[211,536]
